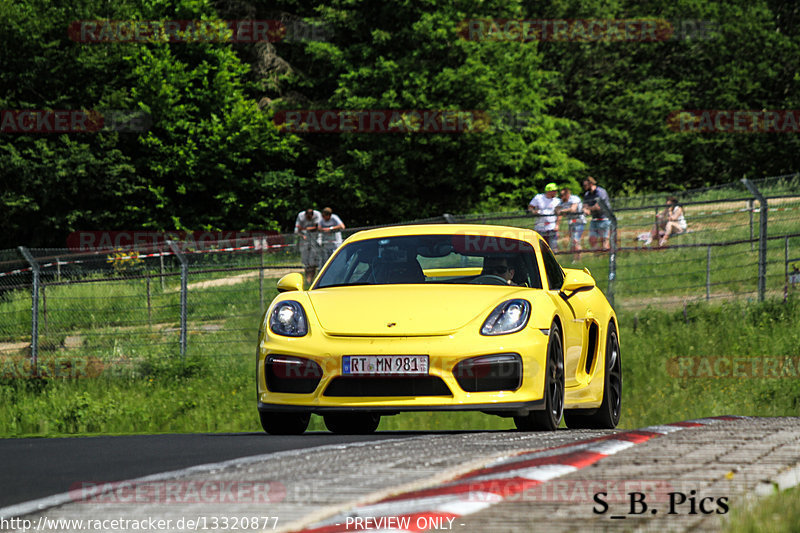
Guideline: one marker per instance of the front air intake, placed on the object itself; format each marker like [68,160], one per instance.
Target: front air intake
[489,373]
[296,375]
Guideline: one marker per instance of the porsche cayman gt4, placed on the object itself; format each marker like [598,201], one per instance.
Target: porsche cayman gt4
[440,318]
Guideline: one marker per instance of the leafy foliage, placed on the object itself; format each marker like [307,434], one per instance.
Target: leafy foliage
[212,157]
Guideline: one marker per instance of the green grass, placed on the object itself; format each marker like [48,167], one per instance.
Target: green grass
[141,389]
[653,394]
[108,369]
[135,387]
[144,386]
[777,513]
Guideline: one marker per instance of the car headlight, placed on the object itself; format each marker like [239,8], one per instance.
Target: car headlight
[508,317]
[289,319]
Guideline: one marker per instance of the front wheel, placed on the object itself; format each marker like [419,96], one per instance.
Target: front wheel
[549,418]
[284,423]
[607,415]
[352,423]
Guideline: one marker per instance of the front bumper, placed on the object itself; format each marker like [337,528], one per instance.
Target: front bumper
[444,352]
[501,409]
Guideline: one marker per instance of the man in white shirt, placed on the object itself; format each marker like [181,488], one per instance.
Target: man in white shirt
[330,233]
[306,226]
[543,205]
[572,208]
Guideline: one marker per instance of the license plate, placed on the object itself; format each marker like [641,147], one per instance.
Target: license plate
[384,365]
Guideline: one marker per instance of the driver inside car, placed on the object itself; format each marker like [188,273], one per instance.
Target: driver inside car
[498,266]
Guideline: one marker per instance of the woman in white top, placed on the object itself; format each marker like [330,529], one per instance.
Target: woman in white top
[675,221]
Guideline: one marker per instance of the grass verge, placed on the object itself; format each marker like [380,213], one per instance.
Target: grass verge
[213,390]
[777,513]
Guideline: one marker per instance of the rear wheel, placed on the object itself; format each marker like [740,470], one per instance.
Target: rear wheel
[549,418]
[352,423]
[284,423]
[607,415]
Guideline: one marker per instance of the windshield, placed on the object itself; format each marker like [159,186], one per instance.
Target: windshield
[415,259]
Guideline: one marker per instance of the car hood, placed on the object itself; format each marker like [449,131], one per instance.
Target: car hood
[403,310]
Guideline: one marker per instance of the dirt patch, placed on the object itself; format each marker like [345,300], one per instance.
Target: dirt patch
[241,278]
[677,301]
[14,346]
[73,341]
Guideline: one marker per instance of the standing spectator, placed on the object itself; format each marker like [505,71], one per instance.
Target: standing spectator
[600,226]
[572,207]
[544,206]
[330,233]
[306,226]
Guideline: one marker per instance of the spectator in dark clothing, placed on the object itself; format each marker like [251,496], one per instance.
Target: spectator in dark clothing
[600,226]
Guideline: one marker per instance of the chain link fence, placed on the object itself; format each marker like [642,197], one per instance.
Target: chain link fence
[66,312]
[70,314]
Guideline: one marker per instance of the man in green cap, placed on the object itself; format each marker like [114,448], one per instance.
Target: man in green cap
[543,206]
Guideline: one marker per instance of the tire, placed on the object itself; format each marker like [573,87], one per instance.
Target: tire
[352,423]
[549,418]
[607,415]
[284,423]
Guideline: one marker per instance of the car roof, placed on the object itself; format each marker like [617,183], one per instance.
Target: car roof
[509,232]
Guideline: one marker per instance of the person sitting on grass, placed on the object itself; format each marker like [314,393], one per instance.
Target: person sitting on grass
[669,222]
[794,275]
[675,221]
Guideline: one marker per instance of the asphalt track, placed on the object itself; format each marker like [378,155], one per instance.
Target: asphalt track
[38,467]
[506,481]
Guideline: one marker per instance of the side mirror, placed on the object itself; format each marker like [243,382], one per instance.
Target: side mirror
[577,280]
[291,282]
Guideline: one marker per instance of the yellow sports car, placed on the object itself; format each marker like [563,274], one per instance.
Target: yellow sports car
[440,318]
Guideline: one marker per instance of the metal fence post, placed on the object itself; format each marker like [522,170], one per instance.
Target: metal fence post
[34,308]
[750,211]
[785,269]
[43,288]
[161,259]
[708,273]
[261,281]
[149,303]
[612,257]
[762,237]
[184,276]
[655,220]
